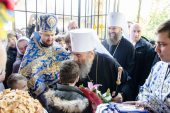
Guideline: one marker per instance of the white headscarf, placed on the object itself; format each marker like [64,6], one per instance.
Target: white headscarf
[119,20]
[21,39]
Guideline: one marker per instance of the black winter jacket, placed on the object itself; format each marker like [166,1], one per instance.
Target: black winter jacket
[144,56]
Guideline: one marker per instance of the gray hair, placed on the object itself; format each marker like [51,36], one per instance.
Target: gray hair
[71,21]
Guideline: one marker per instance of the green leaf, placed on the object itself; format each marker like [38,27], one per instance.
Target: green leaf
[87,89]
[108,92]
[95,91]
[81,86]
[100,96]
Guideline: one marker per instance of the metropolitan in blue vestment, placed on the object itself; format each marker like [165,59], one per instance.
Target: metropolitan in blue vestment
[41,62]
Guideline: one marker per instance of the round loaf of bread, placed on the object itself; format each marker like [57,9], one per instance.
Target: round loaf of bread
[18,101]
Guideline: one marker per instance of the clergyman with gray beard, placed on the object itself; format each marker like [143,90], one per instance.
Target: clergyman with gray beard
[85,66]
[117,45]
[99,68]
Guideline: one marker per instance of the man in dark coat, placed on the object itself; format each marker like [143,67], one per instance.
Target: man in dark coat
[117,44]
[97,66]
[144,55]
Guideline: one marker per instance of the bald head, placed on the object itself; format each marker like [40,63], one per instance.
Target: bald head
[135,32]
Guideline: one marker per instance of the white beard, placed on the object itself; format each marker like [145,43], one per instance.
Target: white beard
[85,68]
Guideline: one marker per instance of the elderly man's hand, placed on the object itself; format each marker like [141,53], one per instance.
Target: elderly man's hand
[137,103]
[118,98]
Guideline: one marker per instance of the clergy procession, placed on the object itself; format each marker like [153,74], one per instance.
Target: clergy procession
[76,72]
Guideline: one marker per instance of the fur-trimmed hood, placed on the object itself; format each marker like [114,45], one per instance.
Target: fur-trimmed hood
[68,106]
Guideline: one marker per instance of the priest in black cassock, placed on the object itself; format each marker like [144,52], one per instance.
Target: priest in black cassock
[117,42]
[97,65]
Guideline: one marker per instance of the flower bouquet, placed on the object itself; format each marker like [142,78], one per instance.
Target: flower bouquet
[105,98]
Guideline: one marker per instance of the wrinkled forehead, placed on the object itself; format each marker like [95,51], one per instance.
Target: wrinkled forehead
[80,53]
[114,27]
[74,24]
[136,27]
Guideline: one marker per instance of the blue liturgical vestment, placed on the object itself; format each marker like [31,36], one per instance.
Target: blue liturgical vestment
[156,90]
[41,65]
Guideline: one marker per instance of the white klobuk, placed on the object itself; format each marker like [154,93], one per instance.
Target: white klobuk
[118,19]
[83,40]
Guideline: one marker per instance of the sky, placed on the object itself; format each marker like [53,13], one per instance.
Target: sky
[130,8]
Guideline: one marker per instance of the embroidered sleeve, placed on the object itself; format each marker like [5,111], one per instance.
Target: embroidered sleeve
[145,89]
[147,96]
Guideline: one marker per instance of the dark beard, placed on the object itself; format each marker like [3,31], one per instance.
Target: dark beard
[115,40]
[46,44]
[85,68]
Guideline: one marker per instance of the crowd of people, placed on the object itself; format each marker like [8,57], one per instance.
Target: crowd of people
[50,64]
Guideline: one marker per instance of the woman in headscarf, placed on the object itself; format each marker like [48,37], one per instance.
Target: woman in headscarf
[21,46]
